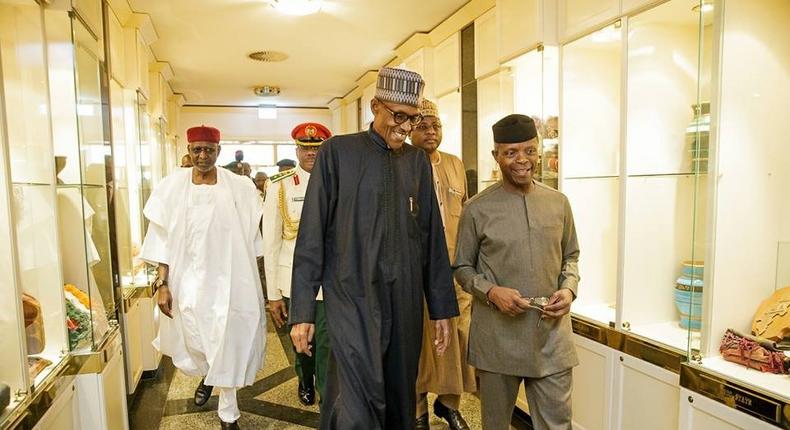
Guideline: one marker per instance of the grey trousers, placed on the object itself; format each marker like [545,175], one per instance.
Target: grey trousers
[549,400]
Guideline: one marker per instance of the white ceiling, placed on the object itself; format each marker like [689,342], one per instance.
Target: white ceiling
[207,43]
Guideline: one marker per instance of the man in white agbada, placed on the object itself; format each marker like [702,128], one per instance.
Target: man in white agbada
[203,236]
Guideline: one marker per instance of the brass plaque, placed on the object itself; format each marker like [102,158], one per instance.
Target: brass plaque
[654,354]
[589,330]
[753,404]
[758,405]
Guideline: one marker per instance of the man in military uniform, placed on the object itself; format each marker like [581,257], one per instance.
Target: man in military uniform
[282,211]
[285,164]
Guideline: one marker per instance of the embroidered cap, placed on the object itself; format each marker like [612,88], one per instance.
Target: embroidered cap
[203,134]
[399,86]
[429,108]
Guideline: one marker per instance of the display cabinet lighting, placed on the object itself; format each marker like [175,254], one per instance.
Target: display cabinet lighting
[607,34]
[705,6]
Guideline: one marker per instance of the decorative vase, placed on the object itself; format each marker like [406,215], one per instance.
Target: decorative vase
[688,295]
[697,133]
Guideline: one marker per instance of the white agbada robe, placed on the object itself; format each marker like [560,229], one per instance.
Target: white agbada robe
[208,235]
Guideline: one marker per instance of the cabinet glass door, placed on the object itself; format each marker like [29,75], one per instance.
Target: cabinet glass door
[31,193]
[668,93]
[590,163]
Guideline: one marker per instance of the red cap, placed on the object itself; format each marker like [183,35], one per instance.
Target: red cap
[203,134]
[310,134]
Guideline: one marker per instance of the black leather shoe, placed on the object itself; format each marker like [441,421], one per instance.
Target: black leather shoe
[202,393]
[421,423]
[306,393]
[452,416]
[229,426]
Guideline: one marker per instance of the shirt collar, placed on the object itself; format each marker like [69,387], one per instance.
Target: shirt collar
[377,139]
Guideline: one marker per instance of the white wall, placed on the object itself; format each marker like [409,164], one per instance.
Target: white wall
[242,123]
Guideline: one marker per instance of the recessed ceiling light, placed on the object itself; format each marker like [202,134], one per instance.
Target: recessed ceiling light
[268,56]
[296,7]
[705,6]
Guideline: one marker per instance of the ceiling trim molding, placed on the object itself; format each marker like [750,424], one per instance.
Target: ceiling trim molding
[143,22]
[121,9]
[462,17]
[162,67]
[209,106]
[413,44]
[335,103]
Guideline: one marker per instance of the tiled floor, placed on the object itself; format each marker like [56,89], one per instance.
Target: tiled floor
[165,401]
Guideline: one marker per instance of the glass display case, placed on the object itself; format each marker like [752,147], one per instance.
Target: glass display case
[127,184]
[746,212]
[536,94]
[80,154]
[668,63]
[13,380]
[494,101]
[635,110]
[450,113]
[590,163]
[31,199]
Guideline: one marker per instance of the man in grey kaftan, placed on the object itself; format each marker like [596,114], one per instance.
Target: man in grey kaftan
[517,240]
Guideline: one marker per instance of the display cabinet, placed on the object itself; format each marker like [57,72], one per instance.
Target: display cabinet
[494,101]
[536,94]
[13,379]
[668,91]
[450,113]
[82,192]
[746,218]
[590,163]
[38,340]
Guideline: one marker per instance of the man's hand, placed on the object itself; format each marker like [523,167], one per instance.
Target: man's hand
[302,335]
[442,332]
[165,301]
[507,300]
[559,304]
[279,312]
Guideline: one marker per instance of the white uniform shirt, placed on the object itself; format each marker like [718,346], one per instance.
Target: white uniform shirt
[279,252]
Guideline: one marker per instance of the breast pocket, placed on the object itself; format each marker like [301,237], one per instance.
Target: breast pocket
[550,234]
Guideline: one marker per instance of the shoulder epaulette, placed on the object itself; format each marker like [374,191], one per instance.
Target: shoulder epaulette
[277,177]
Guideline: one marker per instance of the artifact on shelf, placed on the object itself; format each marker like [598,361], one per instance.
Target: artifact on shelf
[77,316]
[772,319]
[5,396]
[688,294]
[34,324]
[36,365]
[754,352]
[697,133]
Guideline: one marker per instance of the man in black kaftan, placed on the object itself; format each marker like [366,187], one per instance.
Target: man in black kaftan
[375,242]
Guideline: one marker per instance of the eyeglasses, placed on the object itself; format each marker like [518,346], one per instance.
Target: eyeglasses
[401,117]
[425,127]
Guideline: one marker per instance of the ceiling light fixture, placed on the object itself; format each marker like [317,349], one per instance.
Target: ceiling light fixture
[267,111]
[297,7]
[704,6]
